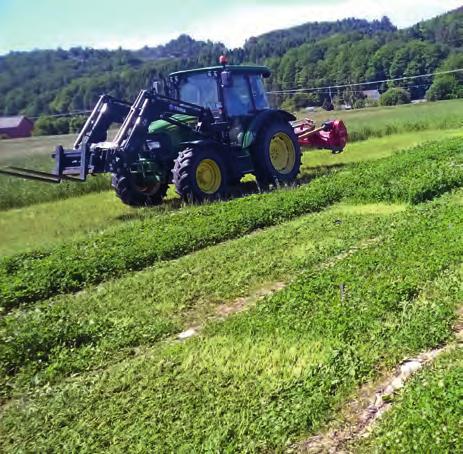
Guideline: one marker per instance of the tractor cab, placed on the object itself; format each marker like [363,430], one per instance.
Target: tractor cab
[228,91]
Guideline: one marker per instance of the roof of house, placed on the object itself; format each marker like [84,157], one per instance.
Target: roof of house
[372,93]
[11,122]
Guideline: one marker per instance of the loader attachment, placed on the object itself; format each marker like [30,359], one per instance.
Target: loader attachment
[76,163]
[36,175]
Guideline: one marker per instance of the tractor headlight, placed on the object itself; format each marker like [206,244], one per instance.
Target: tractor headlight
[153,144]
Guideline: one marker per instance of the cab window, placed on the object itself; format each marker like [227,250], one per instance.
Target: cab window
[237,97]
[200,89]
[258,92]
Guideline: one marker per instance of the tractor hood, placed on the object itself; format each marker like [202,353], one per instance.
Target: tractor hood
[172,136]
[162,126]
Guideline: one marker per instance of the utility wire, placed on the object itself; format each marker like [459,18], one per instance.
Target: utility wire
[327,87]
[325,90]
[69,114]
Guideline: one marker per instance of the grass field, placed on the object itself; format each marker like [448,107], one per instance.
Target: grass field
[384,121]
[52,222]
[294,299]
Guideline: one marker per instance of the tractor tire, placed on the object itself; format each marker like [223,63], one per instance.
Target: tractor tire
[132,194]
[276,154]
[200,174]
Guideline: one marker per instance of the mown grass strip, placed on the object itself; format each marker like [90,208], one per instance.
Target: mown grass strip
[267,377]
[427,415]
[412,176]
[48,224]
[72,333]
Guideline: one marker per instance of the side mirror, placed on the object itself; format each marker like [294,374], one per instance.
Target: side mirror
[226,78]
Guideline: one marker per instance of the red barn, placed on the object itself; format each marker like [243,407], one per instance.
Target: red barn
[14,127]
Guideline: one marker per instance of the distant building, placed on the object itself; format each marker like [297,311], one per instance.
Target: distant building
[14,127]
[372,95]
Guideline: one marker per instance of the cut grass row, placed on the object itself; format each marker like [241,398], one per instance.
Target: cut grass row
[48,224]
[269,376]
[68,334]
[414,176]
[427,415]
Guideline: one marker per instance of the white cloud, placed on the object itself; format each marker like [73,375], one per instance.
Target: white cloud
[243,22]
[235,24]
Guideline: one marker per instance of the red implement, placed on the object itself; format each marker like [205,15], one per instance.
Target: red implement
[332,135]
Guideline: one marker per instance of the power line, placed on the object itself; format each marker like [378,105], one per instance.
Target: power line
[69,114]
[396,79]
[325,90]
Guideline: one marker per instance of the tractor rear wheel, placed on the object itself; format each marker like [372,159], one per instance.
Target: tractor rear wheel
[276,154]
[199,174]
[136,194]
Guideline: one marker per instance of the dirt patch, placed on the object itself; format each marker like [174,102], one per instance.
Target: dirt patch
[239,304]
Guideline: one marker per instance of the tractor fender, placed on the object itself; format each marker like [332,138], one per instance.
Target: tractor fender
[263,118]
[201,143]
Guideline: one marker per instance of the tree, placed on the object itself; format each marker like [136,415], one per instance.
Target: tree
[76,123]
[448,86]
[443,87]
[48,126]
[394,96]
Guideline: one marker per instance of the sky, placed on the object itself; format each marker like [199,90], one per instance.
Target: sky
[132,24]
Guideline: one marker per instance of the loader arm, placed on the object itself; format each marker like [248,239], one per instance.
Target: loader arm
[149,107]
[93,154]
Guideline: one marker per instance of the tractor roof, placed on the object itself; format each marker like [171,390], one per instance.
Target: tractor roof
[246,69]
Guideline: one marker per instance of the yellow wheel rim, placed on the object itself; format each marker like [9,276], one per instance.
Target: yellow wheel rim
[208,176]
[282,153]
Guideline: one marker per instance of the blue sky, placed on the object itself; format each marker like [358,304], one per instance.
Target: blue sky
[29,24]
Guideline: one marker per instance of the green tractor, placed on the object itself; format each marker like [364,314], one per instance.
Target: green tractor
[210,128]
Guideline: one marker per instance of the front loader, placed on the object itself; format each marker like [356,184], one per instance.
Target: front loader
[211,127]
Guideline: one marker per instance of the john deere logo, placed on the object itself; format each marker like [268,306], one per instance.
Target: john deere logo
[177,108]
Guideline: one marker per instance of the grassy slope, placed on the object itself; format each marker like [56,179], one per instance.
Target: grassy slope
[34,152]
[60,336]
[427,415]
[409,177]
[260,378]
[274,373]
[50,223]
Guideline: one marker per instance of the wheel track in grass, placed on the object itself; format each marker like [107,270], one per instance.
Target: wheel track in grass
[361,414]
[243,303]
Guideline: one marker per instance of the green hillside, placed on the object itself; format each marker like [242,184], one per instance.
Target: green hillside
[313,54]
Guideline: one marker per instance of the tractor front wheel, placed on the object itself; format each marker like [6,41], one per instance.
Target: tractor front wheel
[137,194]
[276,154]
[200,174]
